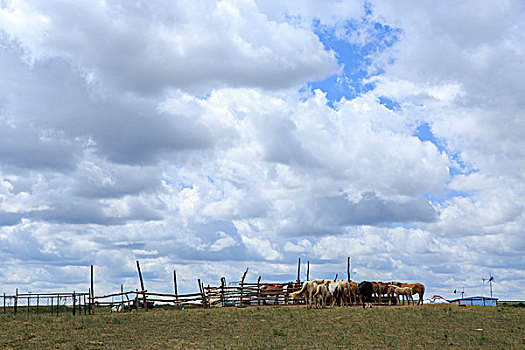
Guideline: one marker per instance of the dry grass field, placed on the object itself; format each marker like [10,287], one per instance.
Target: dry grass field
[282,327]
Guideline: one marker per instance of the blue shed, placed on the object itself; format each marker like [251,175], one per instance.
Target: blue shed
[480,301]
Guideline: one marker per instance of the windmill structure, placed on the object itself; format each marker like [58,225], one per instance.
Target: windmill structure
[462,292]
[489,281]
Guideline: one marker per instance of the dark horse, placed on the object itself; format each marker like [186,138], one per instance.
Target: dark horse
[365,290]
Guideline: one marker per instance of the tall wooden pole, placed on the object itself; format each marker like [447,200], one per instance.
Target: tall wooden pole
[16,300]
[74,303]
[348,269]
[299,271]
[175,285]
[92,291]
[308,271]
[145,306]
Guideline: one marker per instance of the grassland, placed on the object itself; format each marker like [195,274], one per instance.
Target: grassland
[429,327]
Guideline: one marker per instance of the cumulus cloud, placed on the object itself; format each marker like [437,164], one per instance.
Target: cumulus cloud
[149,47]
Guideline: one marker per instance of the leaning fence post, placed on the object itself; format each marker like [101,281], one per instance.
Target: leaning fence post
[242,288]
[203,299]
[259,291]
[145,305]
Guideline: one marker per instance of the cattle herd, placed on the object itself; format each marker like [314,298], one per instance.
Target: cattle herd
[320,293]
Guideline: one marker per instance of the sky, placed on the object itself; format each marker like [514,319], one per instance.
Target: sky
[209,136]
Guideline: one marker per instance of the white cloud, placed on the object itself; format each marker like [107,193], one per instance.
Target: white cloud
[149,47]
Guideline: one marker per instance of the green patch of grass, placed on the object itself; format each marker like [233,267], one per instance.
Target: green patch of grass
[432,326]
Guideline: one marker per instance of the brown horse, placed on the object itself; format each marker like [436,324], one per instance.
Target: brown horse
[352,292]
[417,288]
[405,291]
[378,290]
[383,288]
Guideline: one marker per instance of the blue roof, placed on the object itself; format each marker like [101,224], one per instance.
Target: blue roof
[474,298]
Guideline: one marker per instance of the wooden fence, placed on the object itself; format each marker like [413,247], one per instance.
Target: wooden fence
[241,295]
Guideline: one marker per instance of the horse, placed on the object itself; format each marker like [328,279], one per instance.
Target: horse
[417,288]
[344,298]
[378,290]
[118,308]
[335,290]
[308,290]
[271,291]
[365,290]
[352,292]
[322,294]
[402,291]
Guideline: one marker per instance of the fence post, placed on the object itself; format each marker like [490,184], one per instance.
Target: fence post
[145,305]
[16,300]
[28,304]
[205,295]
[37,302]
[259,291]
[175,285]
[223,283]
[299,271]
[74,303]
[242,288]
[51,305]
[348,269]
[92,294]
[308,271]
[202,293]
[58,304]
[4,304]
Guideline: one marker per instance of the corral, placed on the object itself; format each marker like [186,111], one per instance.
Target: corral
[238,294]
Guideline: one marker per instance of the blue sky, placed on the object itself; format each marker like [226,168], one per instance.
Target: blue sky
[220,135]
